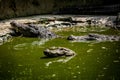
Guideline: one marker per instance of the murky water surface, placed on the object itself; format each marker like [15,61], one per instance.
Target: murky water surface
[23,59]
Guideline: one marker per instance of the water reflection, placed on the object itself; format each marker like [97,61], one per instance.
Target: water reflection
[20,46]
[34,43]
[66,59]
[41,42]
[89,50]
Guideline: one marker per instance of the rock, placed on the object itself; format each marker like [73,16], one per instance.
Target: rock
[105,37]
[71,37]
[96,37]
[72,21]
[66,24]
[117,22]
[4,38]
[109,24]
[45,33]
[58,51]
[30,30]
[24,29]
[89,22]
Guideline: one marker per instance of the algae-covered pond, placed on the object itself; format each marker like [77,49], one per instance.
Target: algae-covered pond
[22,59]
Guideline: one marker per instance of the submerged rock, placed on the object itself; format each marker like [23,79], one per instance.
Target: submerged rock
[30,30]
[96,37]
[58,51]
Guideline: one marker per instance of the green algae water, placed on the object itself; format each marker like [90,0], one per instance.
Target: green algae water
[23,59]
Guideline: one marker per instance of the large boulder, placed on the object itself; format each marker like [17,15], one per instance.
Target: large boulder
[58,51]
[30,30]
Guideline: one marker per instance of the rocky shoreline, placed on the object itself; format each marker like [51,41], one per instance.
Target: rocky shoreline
[41,26]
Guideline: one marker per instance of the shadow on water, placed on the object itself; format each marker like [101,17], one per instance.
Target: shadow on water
[45,57]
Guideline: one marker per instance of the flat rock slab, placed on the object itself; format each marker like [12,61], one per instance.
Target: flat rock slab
[94,37]
[58,51]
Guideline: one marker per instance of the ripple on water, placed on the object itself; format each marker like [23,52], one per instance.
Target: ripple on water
[90,45]
[89,50]
[59,60]
[20,65]
[116,61]
[105,68]
[79,72]
[103,47]
[78,66]
[41,42]
[117,50]
[25,45]
[53,75]
[48,63]
[74,76]
[20,46]
[101,75]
